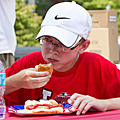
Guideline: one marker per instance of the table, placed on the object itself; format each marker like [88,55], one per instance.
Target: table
[109,115]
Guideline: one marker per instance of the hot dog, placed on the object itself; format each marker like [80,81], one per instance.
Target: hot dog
[43,106]
[44,68]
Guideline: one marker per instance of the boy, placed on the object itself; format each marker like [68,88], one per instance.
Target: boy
[92,81]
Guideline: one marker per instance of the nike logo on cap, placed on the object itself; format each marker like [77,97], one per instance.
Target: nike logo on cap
[57,18]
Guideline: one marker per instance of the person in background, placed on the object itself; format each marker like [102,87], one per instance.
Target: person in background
[92,81]
[7,32]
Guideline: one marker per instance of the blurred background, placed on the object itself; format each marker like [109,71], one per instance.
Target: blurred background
[30,13]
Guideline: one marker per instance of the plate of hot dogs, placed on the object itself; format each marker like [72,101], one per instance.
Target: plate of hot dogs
[41,107]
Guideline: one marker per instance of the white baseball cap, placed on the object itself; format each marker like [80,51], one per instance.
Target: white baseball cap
[68,22]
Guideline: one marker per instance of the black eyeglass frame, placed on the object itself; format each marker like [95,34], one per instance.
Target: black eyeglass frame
[82,40]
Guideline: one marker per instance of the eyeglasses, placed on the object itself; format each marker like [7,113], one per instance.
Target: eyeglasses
[47,43]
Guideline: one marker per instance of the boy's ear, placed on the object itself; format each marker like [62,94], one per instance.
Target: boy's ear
[84,46]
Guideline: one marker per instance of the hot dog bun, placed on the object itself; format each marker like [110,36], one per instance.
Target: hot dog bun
[44,68]
[43,106]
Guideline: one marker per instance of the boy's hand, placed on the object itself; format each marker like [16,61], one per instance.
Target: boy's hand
[27,78]
[30,78]
[83,103]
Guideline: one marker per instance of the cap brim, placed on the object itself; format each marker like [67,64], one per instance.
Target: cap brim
[67,38]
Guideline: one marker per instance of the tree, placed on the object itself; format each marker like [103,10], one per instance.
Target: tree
[44,5]
[27,24]
[57,1]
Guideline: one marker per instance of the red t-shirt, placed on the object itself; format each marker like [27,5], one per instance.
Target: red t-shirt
[91,75]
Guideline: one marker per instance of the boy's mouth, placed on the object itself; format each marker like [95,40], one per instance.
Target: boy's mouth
[50,60]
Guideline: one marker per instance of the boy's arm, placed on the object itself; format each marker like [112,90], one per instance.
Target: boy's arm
[83,103]
[113,103]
